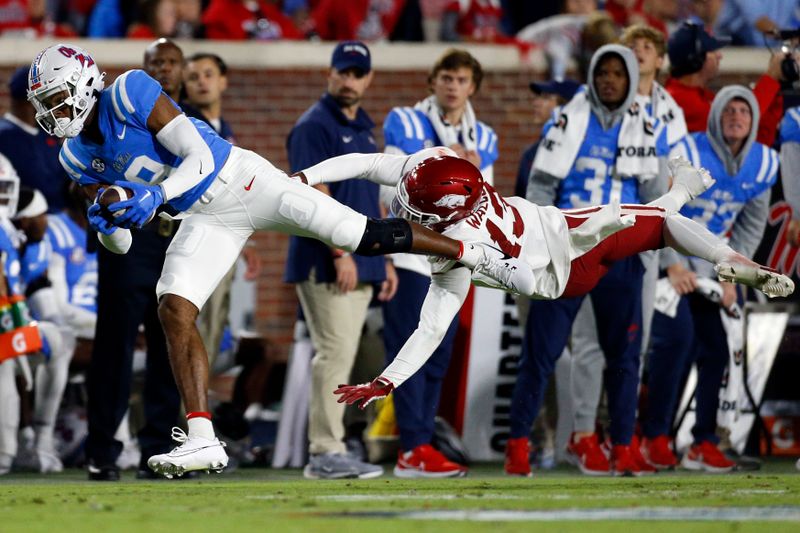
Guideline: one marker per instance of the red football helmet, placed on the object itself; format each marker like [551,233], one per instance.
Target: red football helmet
[438,191]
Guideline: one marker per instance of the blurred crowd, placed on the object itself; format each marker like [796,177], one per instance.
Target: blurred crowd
[495,21]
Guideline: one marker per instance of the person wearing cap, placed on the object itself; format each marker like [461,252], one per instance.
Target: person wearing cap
[446,117]
[547,96]
[334,287]
[32,152]
[601,147]
[694,57]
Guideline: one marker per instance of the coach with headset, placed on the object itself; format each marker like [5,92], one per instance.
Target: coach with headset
[694,57]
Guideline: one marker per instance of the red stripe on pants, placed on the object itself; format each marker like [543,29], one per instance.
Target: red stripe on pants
[645,234]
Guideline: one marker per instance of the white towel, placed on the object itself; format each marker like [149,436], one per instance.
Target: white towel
[667,111]
[448,133]
[636,145]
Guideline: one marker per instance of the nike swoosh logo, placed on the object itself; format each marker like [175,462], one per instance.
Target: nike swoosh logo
[347,138]
[249,185]
[145,197]
[122,135]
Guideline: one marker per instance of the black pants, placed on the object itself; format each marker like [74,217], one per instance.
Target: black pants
[126,298]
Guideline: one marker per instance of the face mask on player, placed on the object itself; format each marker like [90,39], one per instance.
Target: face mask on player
[63,85]
[438,192]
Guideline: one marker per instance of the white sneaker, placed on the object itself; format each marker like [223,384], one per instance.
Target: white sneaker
[499,270]
[194,453]
[49,462]
[6,461]
[770,282]
[694,180]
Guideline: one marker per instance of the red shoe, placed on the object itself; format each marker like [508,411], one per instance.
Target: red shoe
[518,452]
[623,462]
[706,456]
[658,453]
[645,468]
[426,461]
[587,456]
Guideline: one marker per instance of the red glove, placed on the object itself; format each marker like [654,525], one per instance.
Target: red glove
[366,393]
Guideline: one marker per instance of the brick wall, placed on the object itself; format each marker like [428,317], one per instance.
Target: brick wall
[262,106]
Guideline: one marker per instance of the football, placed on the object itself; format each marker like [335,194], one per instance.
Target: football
[112,195]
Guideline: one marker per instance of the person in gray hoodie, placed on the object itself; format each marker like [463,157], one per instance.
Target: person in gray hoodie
[735,209]
[603,147]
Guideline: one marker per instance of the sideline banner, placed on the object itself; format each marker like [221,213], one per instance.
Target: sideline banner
[483,373]
[764,334]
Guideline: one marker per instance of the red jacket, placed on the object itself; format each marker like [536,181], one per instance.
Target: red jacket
[231,20]
[335,20]
[696,105]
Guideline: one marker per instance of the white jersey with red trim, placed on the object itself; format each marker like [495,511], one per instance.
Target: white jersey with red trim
[537,235]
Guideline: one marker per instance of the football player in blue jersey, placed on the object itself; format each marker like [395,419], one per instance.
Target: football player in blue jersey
[22,226]
[735,209]
[133,133]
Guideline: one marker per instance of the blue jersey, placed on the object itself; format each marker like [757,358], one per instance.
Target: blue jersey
[718,207]
[68,240]
[35,258]
[131,152]
[410,131]
[12,266]
[790,126]
[592,179]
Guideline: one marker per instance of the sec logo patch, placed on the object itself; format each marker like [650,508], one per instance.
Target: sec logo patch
[98,165]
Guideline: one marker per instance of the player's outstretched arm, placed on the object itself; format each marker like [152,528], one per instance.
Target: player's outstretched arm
[445,297]
[384,169]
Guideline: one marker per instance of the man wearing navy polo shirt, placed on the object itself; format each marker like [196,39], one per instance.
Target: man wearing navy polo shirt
[32,152]
[334,287]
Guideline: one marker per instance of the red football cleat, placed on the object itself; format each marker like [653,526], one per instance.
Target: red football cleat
[518,453]
[426,461]
[657,452]
[587,456]
[645,468]
[623,462]
[707,456]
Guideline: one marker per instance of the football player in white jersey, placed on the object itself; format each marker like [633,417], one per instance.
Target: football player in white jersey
[133,134]
[567,251]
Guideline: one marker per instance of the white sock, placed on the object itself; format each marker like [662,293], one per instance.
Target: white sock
[201,427]
[690,238]
[673,200]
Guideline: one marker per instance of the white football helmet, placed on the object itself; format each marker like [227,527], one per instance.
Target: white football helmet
[63,68]
[9,188]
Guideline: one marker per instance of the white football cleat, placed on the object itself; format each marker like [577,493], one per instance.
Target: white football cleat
[194,453]
[49,462]
[501,271]
[770,282]
[694,180]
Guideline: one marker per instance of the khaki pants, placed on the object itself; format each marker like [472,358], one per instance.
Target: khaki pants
[335,322]
[214,316]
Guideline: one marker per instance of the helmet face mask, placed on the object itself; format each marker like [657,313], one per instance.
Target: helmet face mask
[438,192]
[64,76]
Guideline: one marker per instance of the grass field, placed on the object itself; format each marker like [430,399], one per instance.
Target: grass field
[281,500]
